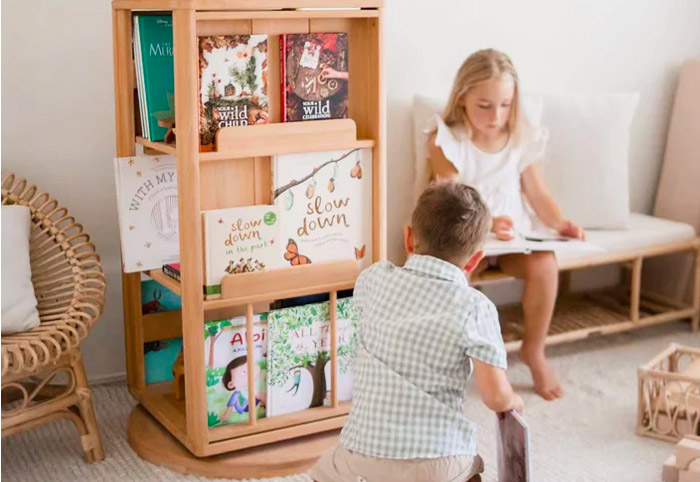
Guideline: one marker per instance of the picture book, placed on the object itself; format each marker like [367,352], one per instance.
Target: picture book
[325,205]
[513,448]
[314,76]
[233,84]
[299,368]
[531,242]
[147,211]
[159,357]
[153,61]
[239,240]
[228,397]
[156,298]
[172,270]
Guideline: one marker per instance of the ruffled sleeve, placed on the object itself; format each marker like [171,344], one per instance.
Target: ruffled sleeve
[534,148]
[446,140]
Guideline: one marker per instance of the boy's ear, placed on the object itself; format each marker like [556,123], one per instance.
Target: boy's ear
[408,240]
[473,261]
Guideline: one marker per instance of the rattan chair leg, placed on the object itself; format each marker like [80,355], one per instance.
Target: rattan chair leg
[92,442]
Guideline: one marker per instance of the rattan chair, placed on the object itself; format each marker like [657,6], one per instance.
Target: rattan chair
[43,377]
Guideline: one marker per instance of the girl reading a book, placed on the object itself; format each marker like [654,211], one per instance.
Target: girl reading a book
[483,140]
[236,378]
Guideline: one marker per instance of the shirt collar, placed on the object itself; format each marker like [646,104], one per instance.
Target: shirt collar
[436,268]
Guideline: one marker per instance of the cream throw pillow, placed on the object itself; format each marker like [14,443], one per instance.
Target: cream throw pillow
[19,311]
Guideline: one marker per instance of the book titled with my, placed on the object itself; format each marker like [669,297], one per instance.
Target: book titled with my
[325,205]
[147,211]
[233,84]
[239,240]
[314,76]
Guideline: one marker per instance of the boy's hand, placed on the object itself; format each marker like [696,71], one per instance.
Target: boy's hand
[517,403]
[570,229]
[502,227]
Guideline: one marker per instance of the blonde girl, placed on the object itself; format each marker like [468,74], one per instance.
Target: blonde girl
[483,140]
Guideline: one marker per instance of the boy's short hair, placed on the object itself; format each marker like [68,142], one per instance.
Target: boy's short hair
[450,220]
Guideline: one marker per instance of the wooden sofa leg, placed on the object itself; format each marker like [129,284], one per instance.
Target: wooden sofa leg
[92,442]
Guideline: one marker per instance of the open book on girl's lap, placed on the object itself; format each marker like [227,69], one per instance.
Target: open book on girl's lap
[537,241]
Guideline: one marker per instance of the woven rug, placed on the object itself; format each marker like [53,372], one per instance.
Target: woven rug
[587,436]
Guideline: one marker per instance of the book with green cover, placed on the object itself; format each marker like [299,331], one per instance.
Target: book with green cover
[155,39]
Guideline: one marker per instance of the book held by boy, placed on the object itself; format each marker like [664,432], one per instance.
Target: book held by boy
[325,205]
[513,448]
[233,84]
[239,240]
[147,211]
[314,76]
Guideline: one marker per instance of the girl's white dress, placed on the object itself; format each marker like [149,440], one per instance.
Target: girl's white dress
[496,176]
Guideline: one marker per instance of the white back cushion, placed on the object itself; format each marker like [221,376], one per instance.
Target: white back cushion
[19,311]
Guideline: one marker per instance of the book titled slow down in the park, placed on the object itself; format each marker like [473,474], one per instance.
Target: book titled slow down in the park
[325,205]
[299,367]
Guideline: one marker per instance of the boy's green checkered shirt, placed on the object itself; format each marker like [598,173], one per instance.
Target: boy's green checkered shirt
[420,325]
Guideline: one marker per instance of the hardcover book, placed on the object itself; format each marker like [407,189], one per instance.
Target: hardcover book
[172,270]
[147,211]
[239,240]
[233,84]
[325,205]
[314,76]
[153,45]
[228,397]
[299,365]
[513,448]
[156,298]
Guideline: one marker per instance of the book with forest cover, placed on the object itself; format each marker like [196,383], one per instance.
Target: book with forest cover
[233,84]
[147,211]
[153,56]
[299,371]
[325,205]
[239,240]
[228,398]
[314,76]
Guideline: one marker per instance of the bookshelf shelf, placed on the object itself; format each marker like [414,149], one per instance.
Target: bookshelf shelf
[239,173]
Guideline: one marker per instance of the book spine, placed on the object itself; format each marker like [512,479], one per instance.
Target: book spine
[283,78]
[172,272]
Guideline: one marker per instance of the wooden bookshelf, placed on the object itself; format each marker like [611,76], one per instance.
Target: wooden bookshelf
[238,173]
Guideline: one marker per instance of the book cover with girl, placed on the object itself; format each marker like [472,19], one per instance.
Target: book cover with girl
[228,397]
[325,206]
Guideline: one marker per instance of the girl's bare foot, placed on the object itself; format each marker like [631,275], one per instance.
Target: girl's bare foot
[544,379]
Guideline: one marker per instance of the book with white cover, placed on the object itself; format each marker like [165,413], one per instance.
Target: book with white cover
[529,243]
[147,209]
[513,448]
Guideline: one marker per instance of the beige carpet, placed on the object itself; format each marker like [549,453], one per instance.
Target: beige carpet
[587,436]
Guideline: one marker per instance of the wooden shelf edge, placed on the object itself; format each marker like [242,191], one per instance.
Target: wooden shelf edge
[159,400]
[286,14]
[165,280]
[157,146]
[236,5]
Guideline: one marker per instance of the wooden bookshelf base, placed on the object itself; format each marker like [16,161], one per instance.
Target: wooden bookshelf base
[156,445]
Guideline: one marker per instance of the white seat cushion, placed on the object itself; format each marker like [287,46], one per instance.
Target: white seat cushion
[644,232]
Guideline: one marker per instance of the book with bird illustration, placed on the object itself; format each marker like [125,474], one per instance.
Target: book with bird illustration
[325,206]
[299,368]
[239,240]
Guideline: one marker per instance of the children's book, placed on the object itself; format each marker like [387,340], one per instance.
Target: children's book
[513,448]
[537,241]
[228,397]
[173,271]
[239,240]
[299,373]
[153,44]
[159,357]
[233,83]
[156,298]
[314,76]
[147,211]
[325,205]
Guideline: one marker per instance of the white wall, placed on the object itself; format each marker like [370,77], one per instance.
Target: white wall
[58,108]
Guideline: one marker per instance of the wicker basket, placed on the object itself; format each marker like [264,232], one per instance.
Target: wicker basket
[669,394]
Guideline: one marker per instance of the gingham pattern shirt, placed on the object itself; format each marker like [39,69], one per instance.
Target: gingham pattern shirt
[419,327]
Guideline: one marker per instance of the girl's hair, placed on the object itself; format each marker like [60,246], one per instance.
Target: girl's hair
[235,363]
[480,67]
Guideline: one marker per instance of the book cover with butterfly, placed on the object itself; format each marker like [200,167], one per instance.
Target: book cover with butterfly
[147,211]
[299,368]
[239,240]
[233,84]
[325,206]
[314,76]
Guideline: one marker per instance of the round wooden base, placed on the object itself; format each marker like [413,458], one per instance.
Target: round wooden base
[156,445]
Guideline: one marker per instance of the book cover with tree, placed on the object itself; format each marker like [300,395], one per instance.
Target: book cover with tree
[325,205]
[299,372]
[314,76]
[233,84]
[228,397]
